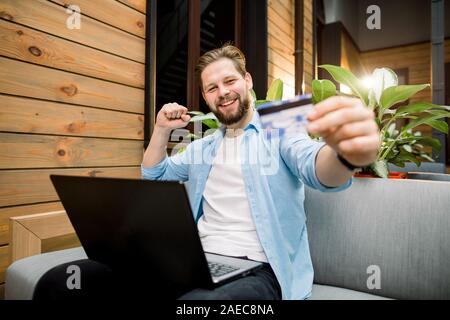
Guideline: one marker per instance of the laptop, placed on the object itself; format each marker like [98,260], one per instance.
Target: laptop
[145,232]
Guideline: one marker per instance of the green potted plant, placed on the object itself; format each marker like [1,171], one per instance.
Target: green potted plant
[399,145]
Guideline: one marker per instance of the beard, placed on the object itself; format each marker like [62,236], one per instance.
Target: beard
[230,118]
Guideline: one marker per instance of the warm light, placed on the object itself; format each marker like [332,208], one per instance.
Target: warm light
[367,82]
[345,89]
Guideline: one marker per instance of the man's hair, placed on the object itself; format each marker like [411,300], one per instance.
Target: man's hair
[226,51]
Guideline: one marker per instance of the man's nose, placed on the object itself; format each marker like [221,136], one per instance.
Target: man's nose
[223,90]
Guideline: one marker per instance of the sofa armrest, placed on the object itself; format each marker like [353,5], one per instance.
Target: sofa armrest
[23,275]
[40,233]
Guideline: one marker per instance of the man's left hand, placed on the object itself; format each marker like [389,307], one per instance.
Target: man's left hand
[348,127]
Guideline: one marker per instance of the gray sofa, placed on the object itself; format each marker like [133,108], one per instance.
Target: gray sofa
[380,239]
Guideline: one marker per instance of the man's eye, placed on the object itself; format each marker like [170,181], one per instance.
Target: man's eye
[231,81]
[212,89]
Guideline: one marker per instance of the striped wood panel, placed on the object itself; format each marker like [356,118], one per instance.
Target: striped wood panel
[26,44]
[111,12]
[20,187]
[25,151]
[56,85]
[136,4]
[19,114]
[281,61]
[69,99]
[277,72]
[51,18]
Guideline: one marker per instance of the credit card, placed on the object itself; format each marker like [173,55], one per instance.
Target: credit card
[286,116]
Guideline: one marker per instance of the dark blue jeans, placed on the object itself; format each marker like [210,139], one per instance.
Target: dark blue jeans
[98,282]
[260,285]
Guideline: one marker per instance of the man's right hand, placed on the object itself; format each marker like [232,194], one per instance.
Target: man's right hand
[172,116]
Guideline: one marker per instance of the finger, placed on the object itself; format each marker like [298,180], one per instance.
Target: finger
[358,145]
[352,130]
[185,117]
[338,118]
[175,113]
[178,111]
[332,104]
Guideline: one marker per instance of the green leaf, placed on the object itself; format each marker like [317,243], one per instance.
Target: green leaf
[407,147]
[212,124]
[208,119]
[197,113]
[275,91]
[406,156]
[417,108]
[442,113]
[429,120]
[322,89]
[441,126]
[192,137]
[427,157]
[380,168]
[181,150]
[397,94]
[344,76]
[431,142]
[391,129]
[203,117]
[400,164]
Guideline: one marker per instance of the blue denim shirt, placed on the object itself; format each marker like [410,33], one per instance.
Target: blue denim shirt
[274,172]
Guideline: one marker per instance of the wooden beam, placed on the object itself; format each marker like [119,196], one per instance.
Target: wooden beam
[150,71]
[193,54]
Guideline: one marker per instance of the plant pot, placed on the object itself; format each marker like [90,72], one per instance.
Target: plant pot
[392,175]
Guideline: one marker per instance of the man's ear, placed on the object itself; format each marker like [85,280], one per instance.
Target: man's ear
[249,80]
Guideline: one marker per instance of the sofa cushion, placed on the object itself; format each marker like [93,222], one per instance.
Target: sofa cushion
[23,275]
[321,292]
[382,235]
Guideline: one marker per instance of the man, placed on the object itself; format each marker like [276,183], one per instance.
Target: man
[241,208]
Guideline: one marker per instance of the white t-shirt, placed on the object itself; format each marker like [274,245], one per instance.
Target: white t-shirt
[226,226]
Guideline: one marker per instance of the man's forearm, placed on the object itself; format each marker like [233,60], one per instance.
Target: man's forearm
[329,170]
[156,150]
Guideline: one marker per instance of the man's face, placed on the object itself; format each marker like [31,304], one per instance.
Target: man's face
[225,91]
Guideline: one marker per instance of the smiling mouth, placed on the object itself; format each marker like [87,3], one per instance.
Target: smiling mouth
[227,103]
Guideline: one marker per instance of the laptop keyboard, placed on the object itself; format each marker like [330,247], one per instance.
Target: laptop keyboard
[219,269]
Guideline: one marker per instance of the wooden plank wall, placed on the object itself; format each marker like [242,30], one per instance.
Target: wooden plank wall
[351,57]
[71,100]
[281,43]
[308,40]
